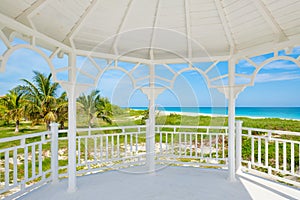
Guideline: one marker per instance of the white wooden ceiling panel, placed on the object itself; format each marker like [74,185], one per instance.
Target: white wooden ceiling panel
[109,26]
[13,8]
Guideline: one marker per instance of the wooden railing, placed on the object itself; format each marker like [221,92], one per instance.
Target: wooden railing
[28,161]
[110,148]
[271,153]
[192,145]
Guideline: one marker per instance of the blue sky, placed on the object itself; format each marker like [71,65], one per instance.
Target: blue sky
[276,85]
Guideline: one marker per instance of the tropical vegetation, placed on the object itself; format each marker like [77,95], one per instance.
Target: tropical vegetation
[93,106]
[38,101]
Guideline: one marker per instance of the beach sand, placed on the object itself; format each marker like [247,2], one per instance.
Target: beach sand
[166,113]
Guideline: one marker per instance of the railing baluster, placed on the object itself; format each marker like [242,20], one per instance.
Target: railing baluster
[284,156]
[185,144]
[112,146]
[6,169]
[40,159]
[160,143]
[106,149]
[223,146]
[79,151]
[196,145]
[26,163]
[276,155]
[210,146]
[252,150]
[131,143]
[101,148]
[266,152]
[172,143]
[85,150]
[259,151]
[180,144]
[166,142]
[217,146]
[292,158]
[125,144]
[191,144]
[33,160]
[15,160]
[95,149]
[136,143]
[202,148]
[118,145]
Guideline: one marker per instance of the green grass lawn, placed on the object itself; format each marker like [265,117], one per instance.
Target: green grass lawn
[8,130]
[173,119]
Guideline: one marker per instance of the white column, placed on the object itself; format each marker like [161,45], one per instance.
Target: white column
[152,92]
[231,121]
[54,152]
[151,134]
[238,152]
[72,125]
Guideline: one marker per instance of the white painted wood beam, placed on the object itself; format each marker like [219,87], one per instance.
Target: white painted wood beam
[219,77]
[251,62]
[169,68]
[244,76]
[23,29]
[188,28]
[268,47]
[86,74]
[5,39]
[192,60]
[95,64]
[211,67]
[162,78]
[112,56]
[74,30]
[62,69]
[54,53]
[120,28]
[267,15]
[151,53]
[226,26]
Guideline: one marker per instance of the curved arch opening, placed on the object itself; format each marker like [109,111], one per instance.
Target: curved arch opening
[20,65]
[274,91]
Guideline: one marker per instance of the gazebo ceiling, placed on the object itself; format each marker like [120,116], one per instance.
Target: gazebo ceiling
[183,28]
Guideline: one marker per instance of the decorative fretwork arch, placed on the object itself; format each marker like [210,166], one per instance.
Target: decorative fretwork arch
[258,66]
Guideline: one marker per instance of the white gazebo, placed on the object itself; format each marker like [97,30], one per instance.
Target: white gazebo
[152,33]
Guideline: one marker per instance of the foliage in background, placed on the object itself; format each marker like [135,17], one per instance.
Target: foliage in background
[13,107]
[93,106]
[41,98]
[61,110]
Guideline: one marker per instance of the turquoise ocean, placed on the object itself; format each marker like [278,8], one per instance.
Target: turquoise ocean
[265,112]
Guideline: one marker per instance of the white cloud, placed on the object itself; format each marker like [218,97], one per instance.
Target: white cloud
[296,50]
[270,77]
[281,64]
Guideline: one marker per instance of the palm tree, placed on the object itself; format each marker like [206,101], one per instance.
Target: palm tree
[41,95]
[3,111]
[62,109]
[14,106]
[104,110]
[94,106]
